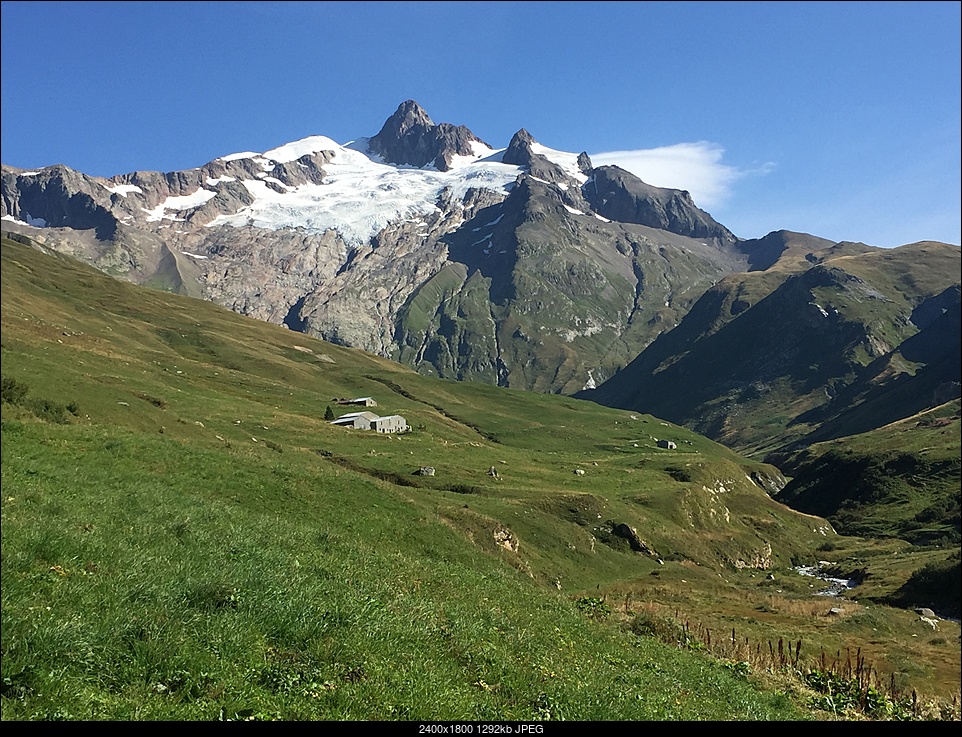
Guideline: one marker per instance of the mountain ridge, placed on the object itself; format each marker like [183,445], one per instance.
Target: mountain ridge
[337,240]
[776,359]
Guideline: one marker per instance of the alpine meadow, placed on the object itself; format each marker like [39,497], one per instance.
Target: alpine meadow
[420,428]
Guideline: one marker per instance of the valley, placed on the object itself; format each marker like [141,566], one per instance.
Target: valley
[611,441]
[186,537]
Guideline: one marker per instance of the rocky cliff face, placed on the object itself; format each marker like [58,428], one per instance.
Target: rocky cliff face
[523,266]
[410,137]
[619,195]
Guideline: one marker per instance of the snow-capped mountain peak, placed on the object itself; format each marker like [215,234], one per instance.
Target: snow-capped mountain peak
[360,194]
[423,243]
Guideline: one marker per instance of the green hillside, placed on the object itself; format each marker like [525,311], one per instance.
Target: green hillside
[776,359]
[901,480]
[186,537]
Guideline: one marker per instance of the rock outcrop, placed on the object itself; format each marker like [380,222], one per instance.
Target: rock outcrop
[410,137]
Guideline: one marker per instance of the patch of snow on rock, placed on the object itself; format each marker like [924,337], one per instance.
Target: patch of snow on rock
[295,150]
[241,155]
[32,222]
[179,203]
[27,220]
[568,162]
[359,196]
[124,189]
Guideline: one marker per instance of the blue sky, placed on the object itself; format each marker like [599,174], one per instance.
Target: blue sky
[837,119]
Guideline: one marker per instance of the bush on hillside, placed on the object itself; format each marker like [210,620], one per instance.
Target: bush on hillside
[12,391]
[936,585]
[15,392]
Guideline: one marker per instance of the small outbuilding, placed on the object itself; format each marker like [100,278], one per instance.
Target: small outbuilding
[362,401]
[667,444]
[356,420]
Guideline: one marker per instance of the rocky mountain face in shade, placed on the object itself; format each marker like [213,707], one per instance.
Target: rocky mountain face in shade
[830,340]
[621,196]
[522,266]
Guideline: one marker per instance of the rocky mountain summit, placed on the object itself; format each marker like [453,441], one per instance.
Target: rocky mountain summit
[523,266]
[410,137]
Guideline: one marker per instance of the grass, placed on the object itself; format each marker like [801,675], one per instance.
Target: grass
[227,585]
[194,541]
[900,481]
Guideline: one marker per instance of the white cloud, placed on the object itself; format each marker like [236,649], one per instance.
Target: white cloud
[696,167]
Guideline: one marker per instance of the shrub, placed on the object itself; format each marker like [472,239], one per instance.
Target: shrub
[48,411]
[15,392]
[740,668]
[594,607]
[12,391]
[840,694]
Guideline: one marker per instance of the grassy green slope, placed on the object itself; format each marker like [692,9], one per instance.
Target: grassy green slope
[758,367]
[901,480]
[196,541]
[185,537]
[898,481]
[149,578]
